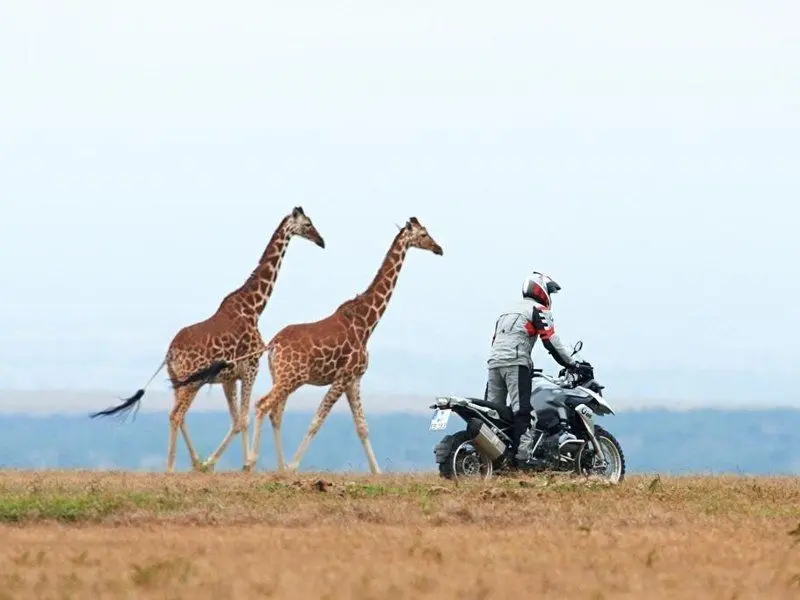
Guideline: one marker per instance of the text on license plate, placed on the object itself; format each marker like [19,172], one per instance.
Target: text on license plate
[440,418]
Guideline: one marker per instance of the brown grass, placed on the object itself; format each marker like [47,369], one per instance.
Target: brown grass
[92,535]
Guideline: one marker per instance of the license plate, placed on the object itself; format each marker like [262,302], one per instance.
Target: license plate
[440,418]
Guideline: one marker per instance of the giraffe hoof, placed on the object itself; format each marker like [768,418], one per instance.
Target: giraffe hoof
[205,467]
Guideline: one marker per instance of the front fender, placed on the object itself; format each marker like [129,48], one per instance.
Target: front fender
[604,407]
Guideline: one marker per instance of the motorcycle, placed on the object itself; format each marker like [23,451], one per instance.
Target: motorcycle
[565,438]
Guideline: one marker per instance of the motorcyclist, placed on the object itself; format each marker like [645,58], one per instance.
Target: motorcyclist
[510,366]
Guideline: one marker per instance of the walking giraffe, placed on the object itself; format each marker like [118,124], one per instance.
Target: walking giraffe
[230,337]
[333,351]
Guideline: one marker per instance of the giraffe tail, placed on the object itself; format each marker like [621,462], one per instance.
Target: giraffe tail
[129,403]
[204,375]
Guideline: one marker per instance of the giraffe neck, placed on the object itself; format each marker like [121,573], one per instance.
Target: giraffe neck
[251,298]
[375,299]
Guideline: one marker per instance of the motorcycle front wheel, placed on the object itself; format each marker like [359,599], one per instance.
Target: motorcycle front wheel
[465,460]
[614,470]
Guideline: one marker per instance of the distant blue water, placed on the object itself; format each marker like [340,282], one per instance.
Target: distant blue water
[699,441]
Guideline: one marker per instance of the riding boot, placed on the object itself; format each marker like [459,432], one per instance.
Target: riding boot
[521,424]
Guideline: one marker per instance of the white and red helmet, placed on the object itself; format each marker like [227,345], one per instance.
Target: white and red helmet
[539,287]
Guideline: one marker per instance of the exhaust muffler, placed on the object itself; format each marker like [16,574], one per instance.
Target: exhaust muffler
[485,439]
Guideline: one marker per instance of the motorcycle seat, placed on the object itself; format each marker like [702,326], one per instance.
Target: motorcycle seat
[503,410]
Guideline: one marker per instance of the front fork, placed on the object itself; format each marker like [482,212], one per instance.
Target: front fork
[587,423]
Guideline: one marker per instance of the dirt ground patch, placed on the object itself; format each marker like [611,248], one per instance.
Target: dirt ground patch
[117,535]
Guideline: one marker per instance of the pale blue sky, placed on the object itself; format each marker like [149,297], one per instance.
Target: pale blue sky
[643,154]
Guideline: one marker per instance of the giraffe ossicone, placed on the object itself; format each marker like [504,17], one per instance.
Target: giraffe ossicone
[333,352]
[225,348]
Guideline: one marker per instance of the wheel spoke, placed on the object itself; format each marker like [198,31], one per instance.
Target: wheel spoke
[605,462]
[468,461]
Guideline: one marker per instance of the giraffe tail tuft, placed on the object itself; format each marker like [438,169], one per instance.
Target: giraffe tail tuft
[133,401]
[127,405]
[204,375]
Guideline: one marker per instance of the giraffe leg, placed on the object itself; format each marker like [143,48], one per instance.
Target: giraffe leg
[229,387]
[276,417]
[244,409]
[353,392]
[334,393]
[277,395]
[190,447]
[183,400]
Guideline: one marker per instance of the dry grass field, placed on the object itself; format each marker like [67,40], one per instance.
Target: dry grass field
[118,535]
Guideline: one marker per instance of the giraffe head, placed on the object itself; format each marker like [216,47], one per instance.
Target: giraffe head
[415,235]
[299,224]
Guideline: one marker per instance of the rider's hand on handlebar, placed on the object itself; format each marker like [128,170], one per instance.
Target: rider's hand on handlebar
[583,370]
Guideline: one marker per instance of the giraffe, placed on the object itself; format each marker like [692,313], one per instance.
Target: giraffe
[333,351]
[224,348]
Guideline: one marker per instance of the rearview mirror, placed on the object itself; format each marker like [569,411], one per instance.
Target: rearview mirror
[577,347]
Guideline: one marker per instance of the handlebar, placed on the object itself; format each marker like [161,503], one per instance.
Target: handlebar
[559,381]
[569,381]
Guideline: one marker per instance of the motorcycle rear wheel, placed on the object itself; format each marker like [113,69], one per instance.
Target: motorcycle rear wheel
[465,460]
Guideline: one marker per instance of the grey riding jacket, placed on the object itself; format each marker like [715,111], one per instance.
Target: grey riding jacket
[516,331]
